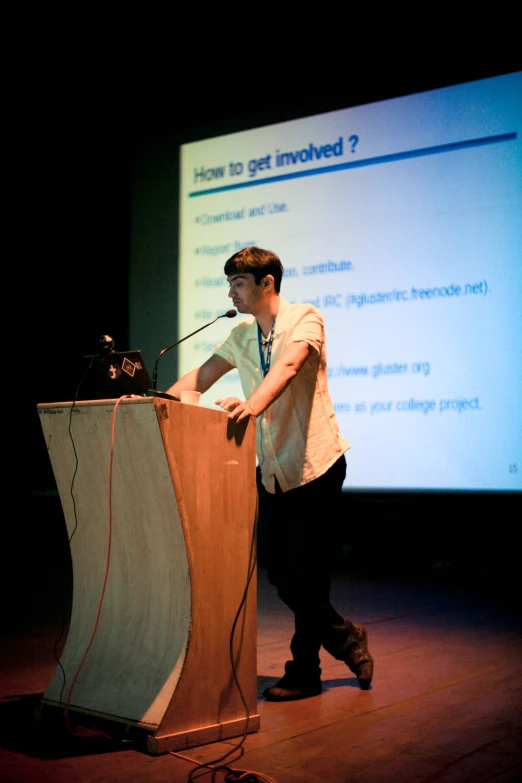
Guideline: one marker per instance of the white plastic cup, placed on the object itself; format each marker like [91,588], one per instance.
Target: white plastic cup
[190,397]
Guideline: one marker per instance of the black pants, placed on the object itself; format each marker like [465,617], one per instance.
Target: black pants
[299,528]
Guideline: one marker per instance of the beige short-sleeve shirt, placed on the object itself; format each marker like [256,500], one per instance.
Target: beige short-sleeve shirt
[298,436]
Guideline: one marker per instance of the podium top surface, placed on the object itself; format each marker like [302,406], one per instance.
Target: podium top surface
[135,399]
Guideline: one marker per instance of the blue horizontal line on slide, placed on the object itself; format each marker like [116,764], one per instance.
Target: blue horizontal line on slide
[391,158]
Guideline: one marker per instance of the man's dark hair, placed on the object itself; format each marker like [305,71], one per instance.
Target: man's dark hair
[257,262]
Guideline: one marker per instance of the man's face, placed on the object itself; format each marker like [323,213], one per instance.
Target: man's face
[246,296]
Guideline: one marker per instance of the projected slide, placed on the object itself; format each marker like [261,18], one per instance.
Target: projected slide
[401,221]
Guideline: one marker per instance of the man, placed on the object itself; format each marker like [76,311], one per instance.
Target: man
[281,358]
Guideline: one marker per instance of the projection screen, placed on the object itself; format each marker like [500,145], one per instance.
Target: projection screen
[401,221]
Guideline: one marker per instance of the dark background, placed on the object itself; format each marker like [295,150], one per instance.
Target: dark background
[76,125]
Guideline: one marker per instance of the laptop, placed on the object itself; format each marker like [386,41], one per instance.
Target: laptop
[114,375]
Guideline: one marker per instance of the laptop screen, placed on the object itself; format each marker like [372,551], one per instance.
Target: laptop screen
[114,375]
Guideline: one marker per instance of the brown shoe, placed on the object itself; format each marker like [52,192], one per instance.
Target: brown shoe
[292,687]
[348,642]
[358,658]
[279,692]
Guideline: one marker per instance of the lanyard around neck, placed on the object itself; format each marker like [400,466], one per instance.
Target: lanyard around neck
[265,363]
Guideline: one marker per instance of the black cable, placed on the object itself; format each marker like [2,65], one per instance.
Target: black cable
[70,537]
[75,526]
[203,768]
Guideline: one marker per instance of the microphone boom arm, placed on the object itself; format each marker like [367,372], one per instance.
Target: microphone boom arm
[154,385]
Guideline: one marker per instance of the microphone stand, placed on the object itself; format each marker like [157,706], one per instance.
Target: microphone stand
[153,390]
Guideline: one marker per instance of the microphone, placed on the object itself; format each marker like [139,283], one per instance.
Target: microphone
[154,384]
[106,343]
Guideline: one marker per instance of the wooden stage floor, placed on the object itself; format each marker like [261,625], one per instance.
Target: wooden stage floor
[445,704]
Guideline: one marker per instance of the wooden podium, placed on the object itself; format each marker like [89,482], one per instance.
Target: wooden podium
[159,499]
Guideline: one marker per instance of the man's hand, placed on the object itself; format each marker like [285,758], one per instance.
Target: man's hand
[236,409]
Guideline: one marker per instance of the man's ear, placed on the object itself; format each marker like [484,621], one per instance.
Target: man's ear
[268,281]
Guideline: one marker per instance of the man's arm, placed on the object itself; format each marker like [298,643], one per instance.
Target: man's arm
[202,378]
[273,385]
